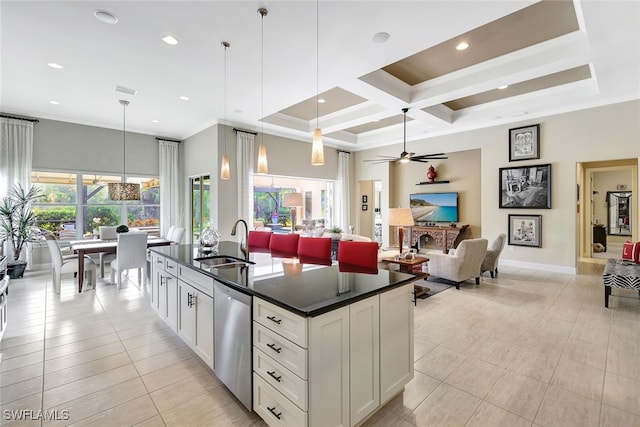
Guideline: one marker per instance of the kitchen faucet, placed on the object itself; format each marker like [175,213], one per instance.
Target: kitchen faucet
[244,249]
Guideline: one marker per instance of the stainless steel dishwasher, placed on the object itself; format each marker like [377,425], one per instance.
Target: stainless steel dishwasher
[233,341]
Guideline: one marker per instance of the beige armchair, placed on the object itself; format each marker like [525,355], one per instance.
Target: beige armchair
[463,264]
[494,250]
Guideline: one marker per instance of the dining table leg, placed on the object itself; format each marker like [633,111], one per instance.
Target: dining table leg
[80,269]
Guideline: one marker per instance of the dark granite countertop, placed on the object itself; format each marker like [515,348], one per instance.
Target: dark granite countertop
[305,288]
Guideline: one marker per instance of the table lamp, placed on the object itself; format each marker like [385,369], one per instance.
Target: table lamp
[292,200]
[400,217]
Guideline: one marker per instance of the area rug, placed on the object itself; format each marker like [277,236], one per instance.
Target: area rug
[435,287]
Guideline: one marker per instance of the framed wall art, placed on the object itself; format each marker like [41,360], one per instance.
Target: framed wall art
[525,187]
[524,143]
[525,230]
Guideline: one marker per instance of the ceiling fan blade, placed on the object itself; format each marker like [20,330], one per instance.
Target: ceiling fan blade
[426,159]
[424,156]
[392,159]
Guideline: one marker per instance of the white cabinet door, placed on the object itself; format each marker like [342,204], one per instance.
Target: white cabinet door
[364,353]
[203,305]
[186,314]
[329,369]
[396,341]
[162,294]
[155,282]
[171,287]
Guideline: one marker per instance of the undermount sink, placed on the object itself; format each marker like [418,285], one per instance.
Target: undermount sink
[222,261]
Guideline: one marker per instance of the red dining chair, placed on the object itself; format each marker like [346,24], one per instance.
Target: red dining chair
[363,254]
[286,244]
[315,247]
[259,239]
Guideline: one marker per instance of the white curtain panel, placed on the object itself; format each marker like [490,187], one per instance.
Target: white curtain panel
[16,153]
[245,176]
[169,186]
[343,196]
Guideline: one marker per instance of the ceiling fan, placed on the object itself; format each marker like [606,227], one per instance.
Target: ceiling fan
[405,156]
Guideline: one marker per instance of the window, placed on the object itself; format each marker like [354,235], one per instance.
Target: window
[268,193]
[200,205]
[77,204]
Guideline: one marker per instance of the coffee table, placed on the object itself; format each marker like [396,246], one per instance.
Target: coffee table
[410,266]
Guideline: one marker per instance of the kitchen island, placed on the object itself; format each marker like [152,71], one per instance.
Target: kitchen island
[327,347]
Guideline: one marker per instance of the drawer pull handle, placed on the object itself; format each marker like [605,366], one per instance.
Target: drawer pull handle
[273,375]
[274,320]
[273,411]
[273,347]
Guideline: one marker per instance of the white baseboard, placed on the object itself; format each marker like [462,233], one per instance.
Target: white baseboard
[536,266]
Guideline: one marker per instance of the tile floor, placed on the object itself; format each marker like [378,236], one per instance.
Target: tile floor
[526,349]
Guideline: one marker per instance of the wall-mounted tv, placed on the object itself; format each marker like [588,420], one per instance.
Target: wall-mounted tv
[434,207]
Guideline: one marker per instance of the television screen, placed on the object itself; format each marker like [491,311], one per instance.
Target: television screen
[434,207]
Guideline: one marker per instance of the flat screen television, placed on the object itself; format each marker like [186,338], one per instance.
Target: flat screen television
[434,207]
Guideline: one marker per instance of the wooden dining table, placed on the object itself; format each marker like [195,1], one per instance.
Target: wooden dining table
[84,247]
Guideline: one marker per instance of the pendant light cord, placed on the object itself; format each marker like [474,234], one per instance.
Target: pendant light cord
[226,46]
[263,12]
[317,63]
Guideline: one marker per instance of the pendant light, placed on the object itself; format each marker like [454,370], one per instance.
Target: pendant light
[225,173]
[123,190]
[317,149]
[262,150]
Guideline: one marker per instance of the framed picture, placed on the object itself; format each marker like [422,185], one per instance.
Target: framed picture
[365,207]
[525,230]
[526,187]
[364,199]
[524,143]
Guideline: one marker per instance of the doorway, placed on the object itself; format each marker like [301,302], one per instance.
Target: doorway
[599,234]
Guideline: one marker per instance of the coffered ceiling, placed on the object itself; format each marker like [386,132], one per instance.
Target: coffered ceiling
[548,57]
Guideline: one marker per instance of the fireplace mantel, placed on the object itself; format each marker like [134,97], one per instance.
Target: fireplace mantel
[444,235]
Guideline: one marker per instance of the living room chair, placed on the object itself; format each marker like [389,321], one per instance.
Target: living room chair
[460,265]
[67,263]
[284,244]
[494,249]
[362,254]
[131,253]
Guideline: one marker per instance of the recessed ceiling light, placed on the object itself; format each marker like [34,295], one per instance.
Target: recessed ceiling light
[462,46]
[380,37]
[321,101]
[106,17]
[54,65]
[503,87]
[155,121]
[169,39]
[54,102]
[184,98]
[238,111]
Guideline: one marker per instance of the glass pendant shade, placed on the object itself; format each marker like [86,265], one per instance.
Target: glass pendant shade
[124,191]
[317,150]
[262,160]
[224,169]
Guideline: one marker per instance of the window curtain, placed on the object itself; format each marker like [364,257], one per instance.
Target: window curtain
[169,186]
[16,153]
[245,176]
[343,196]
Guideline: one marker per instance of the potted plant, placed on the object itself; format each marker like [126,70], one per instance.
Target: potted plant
[18,224]
[336,233]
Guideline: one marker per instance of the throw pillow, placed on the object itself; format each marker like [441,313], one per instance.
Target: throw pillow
[631,251]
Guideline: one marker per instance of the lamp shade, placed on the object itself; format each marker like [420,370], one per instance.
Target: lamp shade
[124,191]
[292,200]
[401,217]
[262,160]
[317,149]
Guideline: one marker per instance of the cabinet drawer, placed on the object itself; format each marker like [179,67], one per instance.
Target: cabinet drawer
[283,351]
[280,378]
[170,266]
[274,408]
[284,322]
[199,281]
